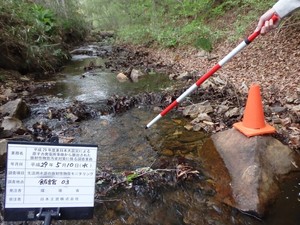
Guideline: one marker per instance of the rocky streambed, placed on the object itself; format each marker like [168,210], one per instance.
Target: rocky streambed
[106,96]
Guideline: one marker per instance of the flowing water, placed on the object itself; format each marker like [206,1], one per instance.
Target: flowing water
[125,145]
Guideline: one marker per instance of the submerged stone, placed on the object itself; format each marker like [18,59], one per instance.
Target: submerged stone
[247,171]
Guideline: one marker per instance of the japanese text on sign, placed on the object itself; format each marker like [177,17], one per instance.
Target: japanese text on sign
[50,176]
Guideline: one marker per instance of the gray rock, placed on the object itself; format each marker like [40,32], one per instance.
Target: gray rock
[194,110]
[9,93]
[233,112]
[16,108]
[184,76]
[254,167]
[11,123]
[201,117]
[278,109]
[135,75]
[222,109]
[3,144]
[122,77]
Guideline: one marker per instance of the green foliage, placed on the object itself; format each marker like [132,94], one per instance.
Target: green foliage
[167,37]
[34,33]
[204,43]
[70,20]
[224,7]
[44,18]
[173,22]
[194,9]
[135,34]
[131,177]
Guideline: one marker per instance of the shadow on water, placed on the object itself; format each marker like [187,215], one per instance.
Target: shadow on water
[124,144]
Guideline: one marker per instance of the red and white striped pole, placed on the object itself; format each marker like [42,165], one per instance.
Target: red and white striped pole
[214,69]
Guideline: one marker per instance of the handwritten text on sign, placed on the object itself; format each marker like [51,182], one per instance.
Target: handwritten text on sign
[50,176]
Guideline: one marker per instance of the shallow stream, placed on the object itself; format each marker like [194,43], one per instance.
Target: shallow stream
[125,145]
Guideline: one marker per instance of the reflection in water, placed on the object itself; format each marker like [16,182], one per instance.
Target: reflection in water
[286,209]
[98,84]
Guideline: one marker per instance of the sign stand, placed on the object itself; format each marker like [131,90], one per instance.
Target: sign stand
[46,181]
[47,215]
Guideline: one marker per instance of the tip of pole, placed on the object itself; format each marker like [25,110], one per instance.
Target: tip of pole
[146,127]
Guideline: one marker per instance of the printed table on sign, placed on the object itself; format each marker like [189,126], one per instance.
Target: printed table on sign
[44,175]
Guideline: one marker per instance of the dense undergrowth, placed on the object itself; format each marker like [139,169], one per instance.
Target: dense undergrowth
[173,23]
[35,36]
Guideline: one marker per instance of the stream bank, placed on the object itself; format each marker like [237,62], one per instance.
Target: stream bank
[167,148]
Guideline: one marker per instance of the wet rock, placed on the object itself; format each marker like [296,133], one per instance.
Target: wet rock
[86,50]
[122,77]
[204,126]
[188,127]
[72,117]
[254,167]
[17,108]
[11,124]
[91,66]
[198,127]
[135,75]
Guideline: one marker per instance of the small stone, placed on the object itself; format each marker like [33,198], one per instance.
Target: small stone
[122,77]
[167,152]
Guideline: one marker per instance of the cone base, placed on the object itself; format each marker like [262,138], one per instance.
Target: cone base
[249,132]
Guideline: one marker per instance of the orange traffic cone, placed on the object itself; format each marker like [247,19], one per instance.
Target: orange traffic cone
[253,123]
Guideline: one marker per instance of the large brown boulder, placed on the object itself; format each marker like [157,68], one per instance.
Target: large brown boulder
[247,171]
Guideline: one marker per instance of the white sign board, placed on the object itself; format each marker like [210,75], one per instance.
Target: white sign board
[50,175]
